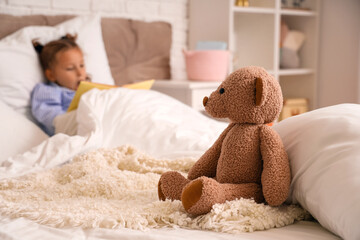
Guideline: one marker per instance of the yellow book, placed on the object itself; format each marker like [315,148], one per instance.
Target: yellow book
[86,86]
[140,85]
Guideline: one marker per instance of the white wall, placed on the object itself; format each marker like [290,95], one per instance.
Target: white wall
[339,56]
[172,11]
[359,72]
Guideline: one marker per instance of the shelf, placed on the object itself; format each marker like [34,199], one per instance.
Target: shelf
[254,10]
[262,10]
[297,12]
[253,35]
[296,71]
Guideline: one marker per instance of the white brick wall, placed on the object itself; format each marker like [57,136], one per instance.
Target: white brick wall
[172,11]
[116,6]
[143,8]
[28,3]
[70,4]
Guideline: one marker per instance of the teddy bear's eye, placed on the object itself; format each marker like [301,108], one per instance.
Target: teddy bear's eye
[222,90]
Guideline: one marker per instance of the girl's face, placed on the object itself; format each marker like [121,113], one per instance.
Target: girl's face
[68,69]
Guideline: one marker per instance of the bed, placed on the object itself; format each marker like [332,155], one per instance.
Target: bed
[126,138]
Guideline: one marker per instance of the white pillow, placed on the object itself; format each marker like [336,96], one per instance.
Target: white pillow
[324,152]
[20,68]
[18,134]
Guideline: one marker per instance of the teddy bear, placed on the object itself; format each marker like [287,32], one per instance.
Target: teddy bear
[248,160]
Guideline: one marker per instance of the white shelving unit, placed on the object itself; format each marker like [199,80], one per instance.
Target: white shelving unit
[188,92]
[253,37]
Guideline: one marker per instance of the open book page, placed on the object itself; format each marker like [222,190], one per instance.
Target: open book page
[83,88]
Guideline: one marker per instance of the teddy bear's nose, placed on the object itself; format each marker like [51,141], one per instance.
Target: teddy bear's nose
[205,101]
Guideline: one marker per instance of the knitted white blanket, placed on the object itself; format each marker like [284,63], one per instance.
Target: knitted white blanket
[117,188]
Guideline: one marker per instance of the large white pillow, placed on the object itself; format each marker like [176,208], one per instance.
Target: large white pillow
[324,152]
[18,134]
[20,68]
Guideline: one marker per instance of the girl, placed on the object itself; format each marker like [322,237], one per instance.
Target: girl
[63,65]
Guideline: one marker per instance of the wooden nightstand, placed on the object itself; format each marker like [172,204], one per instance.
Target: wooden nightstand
[188,92]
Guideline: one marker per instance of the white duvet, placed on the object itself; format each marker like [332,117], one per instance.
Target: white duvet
[150,121]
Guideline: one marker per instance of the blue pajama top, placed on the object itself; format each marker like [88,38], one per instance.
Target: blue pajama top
[49,100]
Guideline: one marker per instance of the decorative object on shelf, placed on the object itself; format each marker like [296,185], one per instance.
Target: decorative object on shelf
[284,30]
[211,45]
[290,43]
[242,3]
[293,107]
[292,4]
[297,3]
[207,65]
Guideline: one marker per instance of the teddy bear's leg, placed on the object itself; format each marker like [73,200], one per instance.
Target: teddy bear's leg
[171,185]
[201,194]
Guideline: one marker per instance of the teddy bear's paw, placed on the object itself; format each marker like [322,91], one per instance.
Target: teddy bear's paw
[191,194]
[170,185]
[200,195]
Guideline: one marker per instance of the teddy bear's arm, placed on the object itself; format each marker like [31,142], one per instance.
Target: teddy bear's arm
[207,163]
[276,176]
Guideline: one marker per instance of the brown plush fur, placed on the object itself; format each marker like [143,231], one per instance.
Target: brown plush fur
[248,160]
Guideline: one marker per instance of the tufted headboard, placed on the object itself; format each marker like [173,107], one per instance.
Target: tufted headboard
[136,50]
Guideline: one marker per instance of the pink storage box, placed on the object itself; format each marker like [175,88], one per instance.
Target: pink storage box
[207,65]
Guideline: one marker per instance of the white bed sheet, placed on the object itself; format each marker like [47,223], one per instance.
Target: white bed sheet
[20,229]
[167,129]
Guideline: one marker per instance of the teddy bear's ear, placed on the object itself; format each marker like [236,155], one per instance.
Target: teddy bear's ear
[259,92]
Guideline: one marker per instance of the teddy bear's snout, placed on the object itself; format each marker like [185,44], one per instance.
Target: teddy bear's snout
[205,100]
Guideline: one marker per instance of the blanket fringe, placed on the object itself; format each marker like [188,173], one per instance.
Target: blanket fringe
[117,188]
